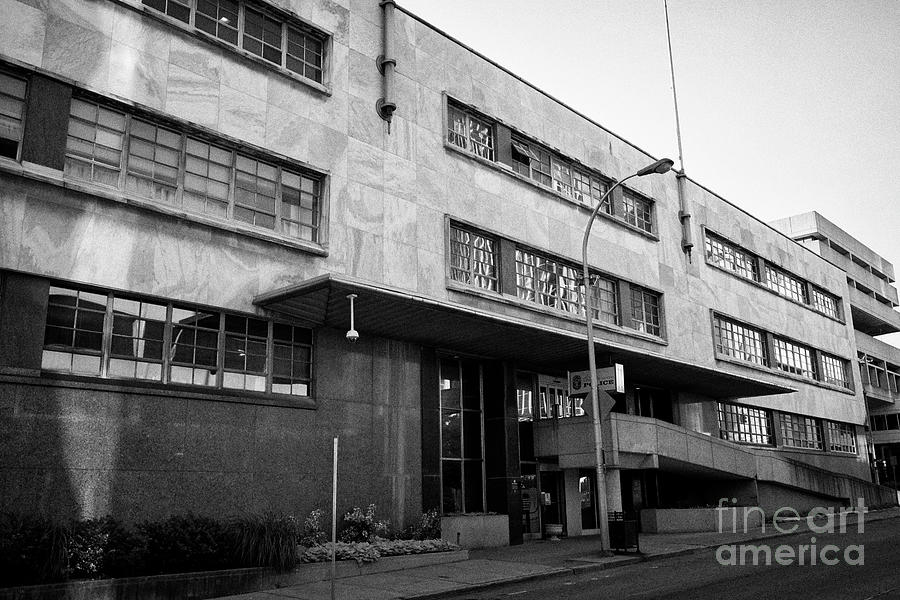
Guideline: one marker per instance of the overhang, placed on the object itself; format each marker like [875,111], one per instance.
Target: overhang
[387,312]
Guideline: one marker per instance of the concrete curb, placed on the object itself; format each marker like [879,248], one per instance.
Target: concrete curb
[587,568]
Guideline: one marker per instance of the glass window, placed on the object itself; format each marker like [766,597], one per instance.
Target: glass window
[730,257]
[138,331]
[262,35]
[590,189]
[745,424]
[785,285]
[178,9]
[794,358]
[305,53]
[470,132]
[207,178]
[245,353]
[73,335]
[300,196]
[637,211]
[154,154]
[12,115]
[739,341]
[645,314]
[825,302]
[473,259]
[255,192]
[292,363]
[835,371]
[195,347]
[548,282]
[841,437]
[95,142]
[605,299]
[801,432]
[218,18]
[462,456]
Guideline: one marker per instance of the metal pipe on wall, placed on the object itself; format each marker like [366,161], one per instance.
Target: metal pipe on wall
[386,63]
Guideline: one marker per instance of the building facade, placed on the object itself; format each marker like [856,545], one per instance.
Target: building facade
[873,302]
[190,191]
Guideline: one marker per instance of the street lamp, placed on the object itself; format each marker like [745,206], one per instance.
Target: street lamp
[661,166]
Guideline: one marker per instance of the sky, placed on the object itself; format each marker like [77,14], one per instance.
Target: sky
[786,106]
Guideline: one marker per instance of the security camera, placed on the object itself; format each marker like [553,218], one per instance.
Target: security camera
[352,336]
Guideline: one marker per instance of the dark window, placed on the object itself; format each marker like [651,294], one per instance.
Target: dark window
[745,424]
[262,35]
[473,259]
[801,432]
[462,455]
[178,9]
[470,132]
[218,18]
[12,114]
[645,313]
[73,336]
[841,437]
[740,341]
[794,358]
[637,211]
[728,256]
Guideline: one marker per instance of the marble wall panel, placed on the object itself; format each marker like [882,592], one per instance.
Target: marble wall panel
[81,54]
[192,97]
[242,116]
[400,219]
[333,17]
[429,114]
[365,163]
[365,80]
[287,133]
[288,95]
[132,29]
[399,176]
[429,229]
[364,209]
[12,220]
[97,15]
[150,435]
[219,437]
[22,32]
[364,124]
[327,148]
[197,57]
[137,76]
[432,189]
[430,71]
[365,36]
[365,254]
[430,278]
[245,76]
[400,264]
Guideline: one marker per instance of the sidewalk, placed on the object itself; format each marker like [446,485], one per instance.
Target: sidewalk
[536,559]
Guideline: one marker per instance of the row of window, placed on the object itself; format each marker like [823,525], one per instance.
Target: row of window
[745,342]
[879,374]
[118,336]
[750,425]
[289,44]
[549,281]
[744,263]
[477,134]
[185,170]
[890,422]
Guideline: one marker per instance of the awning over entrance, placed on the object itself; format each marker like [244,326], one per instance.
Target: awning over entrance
[391,313]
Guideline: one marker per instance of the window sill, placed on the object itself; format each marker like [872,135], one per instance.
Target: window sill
[506,170]
[149,388]
[455,286]
[760,286]
[235,50]
[785,374]
[57,178]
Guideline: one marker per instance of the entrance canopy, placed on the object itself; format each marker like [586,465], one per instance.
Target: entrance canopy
[387,312]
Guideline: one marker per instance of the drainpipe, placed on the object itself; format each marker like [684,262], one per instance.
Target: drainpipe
[385,106]
[684,215]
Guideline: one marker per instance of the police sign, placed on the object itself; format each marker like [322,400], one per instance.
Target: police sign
[609,379]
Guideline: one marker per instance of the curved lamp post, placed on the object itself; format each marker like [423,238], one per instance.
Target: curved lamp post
[663,165]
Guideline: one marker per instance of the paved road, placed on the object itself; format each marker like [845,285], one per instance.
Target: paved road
[700,576]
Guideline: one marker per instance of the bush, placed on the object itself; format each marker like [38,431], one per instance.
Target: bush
[267,540]
[313,535]
[427,528]
[186,543]
[362,526]
[32,550]
[363,552]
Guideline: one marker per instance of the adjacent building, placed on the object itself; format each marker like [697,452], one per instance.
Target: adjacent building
[191,191]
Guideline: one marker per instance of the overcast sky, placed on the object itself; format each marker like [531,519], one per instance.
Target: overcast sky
[786,106]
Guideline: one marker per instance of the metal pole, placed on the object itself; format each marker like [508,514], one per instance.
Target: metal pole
[334,514]
[592,366]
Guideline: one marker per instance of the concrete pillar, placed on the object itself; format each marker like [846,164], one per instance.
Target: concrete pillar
[613,490]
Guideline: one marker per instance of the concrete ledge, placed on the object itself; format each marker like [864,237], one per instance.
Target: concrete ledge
[686,520]
[476,531]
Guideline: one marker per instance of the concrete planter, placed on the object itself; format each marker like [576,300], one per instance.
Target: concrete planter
[682,520]
[211,584]
[476,531]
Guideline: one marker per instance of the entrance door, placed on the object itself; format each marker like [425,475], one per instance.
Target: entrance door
[553,504]
[587,490]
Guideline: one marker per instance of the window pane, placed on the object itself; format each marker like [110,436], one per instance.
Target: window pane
[12,107]
[73,336]
[94,142]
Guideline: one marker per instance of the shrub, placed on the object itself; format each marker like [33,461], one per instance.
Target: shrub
[362,526]
[313,535]
[186,543]
[267,540]
[32,550]
[363,552]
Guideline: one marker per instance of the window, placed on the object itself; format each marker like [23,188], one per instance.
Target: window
[744,424]
[739,341]
[590,189]
[605,299]
[801,432]
[835,371]
[825,303]
[179,169]
[893,381]
[12,114]
[118,336]
[786,285]
[730,257]
[637,211]
[473,259]
[794,358]
[462,452]
[282,42]
[532,161]
[645,310]
[470,132]
[841,437]
[555,401]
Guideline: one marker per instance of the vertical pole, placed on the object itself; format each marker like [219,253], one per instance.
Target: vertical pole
[334,478]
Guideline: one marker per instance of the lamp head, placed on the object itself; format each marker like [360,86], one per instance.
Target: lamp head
[663,165]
